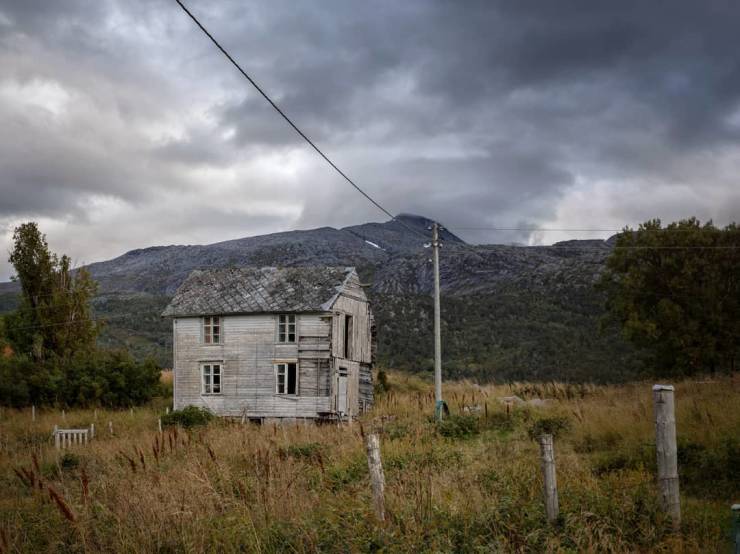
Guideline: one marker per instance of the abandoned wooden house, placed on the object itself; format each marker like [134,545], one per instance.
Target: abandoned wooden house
[267,343]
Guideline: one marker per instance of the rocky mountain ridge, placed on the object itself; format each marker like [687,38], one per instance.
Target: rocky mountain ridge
[533,295]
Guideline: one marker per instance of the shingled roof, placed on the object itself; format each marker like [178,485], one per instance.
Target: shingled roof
[258,290]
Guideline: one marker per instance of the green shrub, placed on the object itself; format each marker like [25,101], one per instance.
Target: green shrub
[98,378]
[188,417]
[381,383]
[308,451]
[69,461]
[553,425]
[458,426]
[709,471]
[339,476]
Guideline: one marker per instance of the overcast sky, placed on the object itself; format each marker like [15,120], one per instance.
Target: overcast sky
[123,127]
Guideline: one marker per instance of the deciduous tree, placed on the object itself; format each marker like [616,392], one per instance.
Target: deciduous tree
[53,319]
[675,291]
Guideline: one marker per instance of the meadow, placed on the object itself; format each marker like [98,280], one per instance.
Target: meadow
[470,484]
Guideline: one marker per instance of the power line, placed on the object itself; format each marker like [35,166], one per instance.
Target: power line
[290,122]
[569,230]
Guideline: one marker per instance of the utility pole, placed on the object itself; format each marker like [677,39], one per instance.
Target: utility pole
[439,404]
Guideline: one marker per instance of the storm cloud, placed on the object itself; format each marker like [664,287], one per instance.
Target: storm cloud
[123,127]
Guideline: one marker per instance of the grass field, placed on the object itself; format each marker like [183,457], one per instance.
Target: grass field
[472,484]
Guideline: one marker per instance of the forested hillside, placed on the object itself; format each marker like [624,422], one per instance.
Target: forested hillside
[508,312]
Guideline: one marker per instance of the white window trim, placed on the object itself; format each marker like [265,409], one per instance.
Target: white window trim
[277,329]
[220,331]
[211,363]
[276,365]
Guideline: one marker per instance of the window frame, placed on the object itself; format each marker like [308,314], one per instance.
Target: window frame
[286,365]
[207,389]
[283,327]
[207,325]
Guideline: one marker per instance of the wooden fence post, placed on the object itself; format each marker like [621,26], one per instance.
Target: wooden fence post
[667,452]
[159,425]
[736,526]
[110,427]
[33,412]
[547,453]
[92,430]
[56,437]
[377,479]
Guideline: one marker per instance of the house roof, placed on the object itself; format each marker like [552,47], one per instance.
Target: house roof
[258,290]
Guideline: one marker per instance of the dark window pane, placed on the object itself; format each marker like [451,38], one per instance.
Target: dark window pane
[292,378]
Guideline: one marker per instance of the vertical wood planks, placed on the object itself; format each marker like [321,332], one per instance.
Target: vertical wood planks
[667,452]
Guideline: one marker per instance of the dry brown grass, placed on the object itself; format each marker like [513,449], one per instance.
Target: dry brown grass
[301,488]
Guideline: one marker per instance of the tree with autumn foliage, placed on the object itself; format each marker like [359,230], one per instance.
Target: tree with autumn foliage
[675,292]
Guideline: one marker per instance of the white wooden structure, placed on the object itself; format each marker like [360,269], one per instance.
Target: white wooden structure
[64,438]
[273,343]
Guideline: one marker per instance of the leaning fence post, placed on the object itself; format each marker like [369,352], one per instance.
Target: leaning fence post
[377,479]
[159,425]
[547,453]
[667,452]
[736,526]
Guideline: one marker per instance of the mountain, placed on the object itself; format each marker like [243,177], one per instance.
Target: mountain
[509,312]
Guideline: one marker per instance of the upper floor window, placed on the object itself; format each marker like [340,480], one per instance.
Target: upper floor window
[211,375]
[212,330]
[286,328]
[348,334]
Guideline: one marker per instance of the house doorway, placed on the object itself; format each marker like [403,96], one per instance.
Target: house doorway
[342,390]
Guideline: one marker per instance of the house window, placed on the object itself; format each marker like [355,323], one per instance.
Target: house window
[212,330]
[211,378]
[286,328]
[286,378]
[347,337]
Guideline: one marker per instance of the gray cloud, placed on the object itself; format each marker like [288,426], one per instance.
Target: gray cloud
[122,123]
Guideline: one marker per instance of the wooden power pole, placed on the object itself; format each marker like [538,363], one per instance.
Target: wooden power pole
[439,403]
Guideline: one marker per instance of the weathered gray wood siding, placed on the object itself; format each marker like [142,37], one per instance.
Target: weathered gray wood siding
[353,301]
[366,387]
[248,352]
